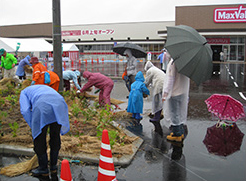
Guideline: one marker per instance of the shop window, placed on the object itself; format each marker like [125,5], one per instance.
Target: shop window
[241,52]
[233,40]
[233,52]
[241,40]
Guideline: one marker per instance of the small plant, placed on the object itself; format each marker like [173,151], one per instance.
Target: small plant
[113,136]
[75,110]
[78,130]
[14,128]
[13,99]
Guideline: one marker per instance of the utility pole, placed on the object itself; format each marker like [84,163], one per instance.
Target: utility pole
[57,51]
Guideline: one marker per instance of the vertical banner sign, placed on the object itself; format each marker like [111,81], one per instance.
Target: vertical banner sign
[149,56]
[230,14]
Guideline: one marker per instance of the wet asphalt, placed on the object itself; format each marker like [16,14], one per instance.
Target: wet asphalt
[160,160]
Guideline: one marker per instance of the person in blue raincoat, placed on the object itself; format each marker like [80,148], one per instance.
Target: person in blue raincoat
[135,102]
[20,72]
[71,75]
[43,107]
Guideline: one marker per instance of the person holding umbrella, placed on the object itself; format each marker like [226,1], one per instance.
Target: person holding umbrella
[131,51]
[131,67]
[175,97]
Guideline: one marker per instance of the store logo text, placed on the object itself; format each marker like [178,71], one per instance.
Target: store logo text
[230,15]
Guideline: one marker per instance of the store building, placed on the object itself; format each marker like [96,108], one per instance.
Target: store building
[96,41]
[224,27]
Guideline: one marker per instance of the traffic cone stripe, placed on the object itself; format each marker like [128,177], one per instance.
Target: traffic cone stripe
[106,159]
[106,153]
[105,146]
[106,172]
[106,166]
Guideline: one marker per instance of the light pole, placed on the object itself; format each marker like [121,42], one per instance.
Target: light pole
[57,50]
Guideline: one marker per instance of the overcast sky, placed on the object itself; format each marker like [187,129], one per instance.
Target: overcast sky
[74,12]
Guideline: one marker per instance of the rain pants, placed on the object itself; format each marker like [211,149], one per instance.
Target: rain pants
[177,87]
[155,77]
[135,101]
[40,105]
[100,81]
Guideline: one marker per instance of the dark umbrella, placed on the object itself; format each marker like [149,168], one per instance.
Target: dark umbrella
[223,141]
[191,53]
[137,51]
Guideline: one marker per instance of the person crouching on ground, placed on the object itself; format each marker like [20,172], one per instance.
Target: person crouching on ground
[100,81]
[20,70]
[135,101]
[155,77]
[42,107]
[38,75]
[71,75]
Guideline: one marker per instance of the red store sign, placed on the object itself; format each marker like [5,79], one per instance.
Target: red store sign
[230,15]
[71,33]
[218,40]
[98,32]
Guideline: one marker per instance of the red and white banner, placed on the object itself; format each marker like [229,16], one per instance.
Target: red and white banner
[230,15]
[73,56]
[218,40]
[71,33]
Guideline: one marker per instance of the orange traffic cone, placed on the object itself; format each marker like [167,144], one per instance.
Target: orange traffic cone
[65,171]
[106,170]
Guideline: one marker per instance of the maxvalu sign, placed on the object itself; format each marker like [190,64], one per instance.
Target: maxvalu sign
[230,14]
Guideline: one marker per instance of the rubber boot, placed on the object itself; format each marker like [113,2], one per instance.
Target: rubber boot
[158,128]
[42,169]
[156,117]
[177,134]
[138,117]
[53,164]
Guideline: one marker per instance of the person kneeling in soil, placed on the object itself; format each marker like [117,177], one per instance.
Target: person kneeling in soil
[42,107]
[135,101]
[100,81]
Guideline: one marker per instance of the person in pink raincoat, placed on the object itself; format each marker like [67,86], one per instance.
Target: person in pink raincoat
[100,81]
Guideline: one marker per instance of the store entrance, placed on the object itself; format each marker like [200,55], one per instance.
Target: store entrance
[216,52]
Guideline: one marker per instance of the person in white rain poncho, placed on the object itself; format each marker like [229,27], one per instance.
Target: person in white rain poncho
[175,97]
[155,78]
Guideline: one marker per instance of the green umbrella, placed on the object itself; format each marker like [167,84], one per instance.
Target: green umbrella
[191,53]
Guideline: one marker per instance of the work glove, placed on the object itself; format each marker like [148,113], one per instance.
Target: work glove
[33,82]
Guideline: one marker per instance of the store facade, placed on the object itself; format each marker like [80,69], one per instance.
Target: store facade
[224,27]
[96,41]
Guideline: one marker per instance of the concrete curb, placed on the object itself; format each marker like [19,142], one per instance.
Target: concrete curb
[123,161]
